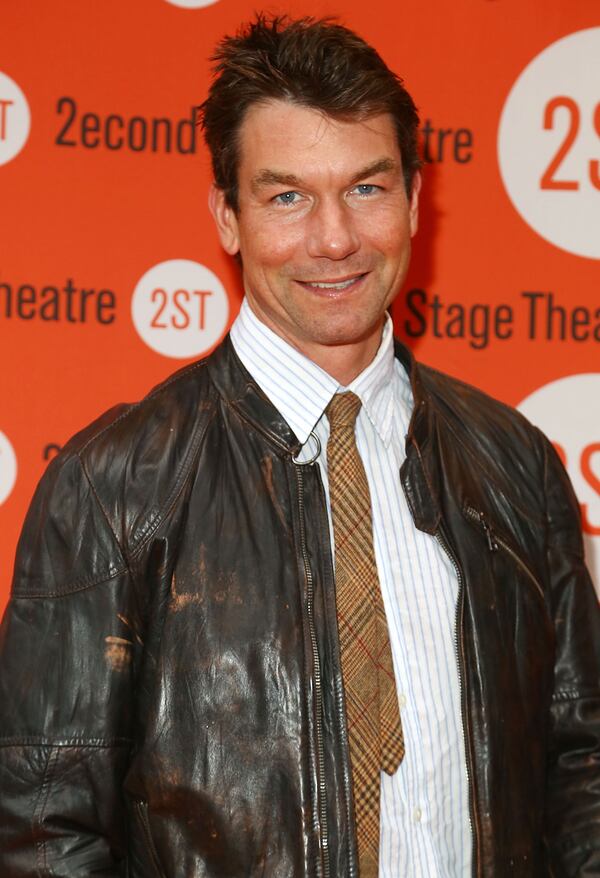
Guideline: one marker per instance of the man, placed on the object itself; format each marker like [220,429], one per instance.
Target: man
[257,630]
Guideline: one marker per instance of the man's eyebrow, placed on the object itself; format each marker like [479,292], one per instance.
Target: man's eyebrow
[266,177]
[380,166]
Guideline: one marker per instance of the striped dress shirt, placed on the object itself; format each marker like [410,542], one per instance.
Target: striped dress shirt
[425,823]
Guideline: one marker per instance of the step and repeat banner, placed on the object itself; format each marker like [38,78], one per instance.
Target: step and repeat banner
[111,274]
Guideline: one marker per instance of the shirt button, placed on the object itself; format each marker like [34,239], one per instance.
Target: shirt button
[417,814]
[401,701]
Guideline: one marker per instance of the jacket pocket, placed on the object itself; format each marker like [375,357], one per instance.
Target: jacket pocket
[496,543]
[141,812]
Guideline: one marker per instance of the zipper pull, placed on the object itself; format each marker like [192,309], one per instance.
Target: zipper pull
[492,544]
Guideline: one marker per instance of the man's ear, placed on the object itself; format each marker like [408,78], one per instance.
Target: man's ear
[225,220]
[414,203]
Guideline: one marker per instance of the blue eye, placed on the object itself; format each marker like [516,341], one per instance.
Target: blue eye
[366,188]
[286,198]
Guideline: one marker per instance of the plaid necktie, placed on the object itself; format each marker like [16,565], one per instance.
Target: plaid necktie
[374,728]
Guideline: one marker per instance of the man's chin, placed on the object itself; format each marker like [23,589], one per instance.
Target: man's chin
[328,336]
[347,332]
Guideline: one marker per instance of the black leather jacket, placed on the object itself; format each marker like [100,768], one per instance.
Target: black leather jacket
[170,685]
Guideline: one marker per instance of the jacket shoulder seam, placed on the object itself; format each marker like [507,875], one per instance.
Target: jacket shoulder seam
[153,524]
[102,510]
[132,407]
[477,391]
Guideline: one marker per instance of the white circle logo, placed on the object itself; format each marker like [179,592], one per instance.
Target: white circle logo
[191,4]
[549,147]
[180,308]
[15,119]
[568,411]
[8,468]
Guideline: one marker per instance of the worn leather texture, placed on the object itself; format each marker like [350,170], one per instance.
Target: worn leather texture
[170,684]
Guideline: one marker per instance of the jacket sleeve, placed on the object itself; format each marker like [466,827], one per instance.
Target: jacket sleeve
[573,786]
[66,670]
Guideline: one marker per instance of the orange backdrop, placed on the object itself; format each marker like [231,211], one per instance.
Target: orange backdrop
[108,181]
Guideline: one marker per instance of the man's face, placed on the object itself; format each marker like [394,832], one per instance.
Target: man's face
[323,225]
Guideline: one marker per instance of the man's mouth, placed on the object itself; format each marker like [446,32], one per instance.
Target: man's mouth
[333,285]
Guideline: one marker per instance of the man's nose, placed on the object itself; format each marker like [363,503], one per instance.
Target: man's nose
[332,231]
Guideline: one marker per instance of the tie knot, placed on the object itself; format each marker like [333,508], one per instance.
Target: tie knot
[343,410]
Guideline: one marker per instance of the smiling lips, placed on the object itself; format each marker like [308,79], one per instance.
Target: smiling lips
[331,286]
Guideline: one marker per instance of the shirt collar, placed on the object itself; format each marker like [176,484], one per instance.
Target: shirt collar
[299,389]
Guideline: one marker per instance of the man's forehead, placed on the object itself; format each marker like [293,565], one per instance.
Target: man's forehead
[281,141]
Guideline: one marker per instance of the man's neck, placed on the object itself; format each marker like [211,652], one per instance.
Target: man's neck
[343,362]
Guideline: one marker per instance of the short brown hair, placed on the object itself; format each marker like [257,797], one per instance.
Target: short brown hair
[314,63]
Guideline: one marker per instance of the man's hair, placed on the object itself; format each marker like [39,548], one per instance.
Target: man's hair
[316,64]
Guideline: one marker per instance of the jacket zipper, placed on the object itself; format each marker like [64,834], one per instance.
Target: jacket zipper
[460,658]
[322,797]
[352,865]
[494,541]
